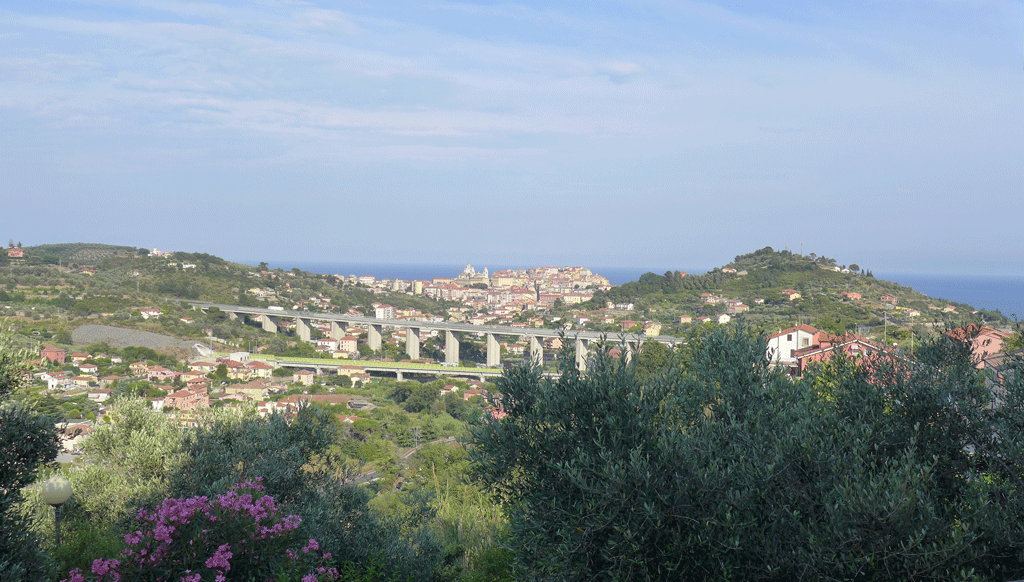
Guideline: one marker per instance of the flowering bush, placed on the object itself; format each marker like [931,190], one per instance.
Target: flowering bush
[239,535]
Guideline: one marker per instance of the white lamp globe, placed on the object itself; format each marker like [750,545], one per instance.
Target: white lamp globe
[56,490]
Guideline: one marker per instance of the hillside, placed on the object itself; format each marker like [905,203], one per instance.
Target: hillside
[831,296]
[57,288]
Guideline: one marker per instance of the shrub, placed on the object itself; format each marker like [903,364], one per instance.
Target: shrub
[720,468]
[239,535]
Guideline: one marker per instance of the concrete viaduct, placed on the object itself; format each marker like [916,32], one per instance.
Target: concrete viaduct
[375,327]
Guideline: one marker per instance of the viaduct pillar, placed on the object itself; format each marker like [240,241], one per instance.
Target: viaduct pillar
[373,332]
[269,323]
[536,352]
[493,351]
[581,354]
[412,343]
[451,348]
[302,326]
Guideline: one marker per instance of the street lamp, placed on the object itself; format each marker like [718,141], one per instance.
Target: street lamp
[56,490]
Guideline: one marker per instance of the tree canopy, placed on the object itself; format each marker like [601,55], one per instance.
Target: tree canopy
[720,468]
[27,440]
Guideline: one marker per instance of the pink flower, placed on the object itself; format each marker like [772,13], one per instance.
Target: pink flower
[309,578]
[312,545]
[101,566]
[74,576]
[220,558]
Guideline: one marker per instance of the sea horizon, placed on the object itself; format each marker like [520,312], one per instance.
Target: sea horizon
[428,271]
[994,293]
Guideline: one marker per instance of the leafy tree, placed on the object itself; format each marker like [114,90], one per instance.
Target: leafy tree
[63,337]
[422,397]
[365,351]
[720,468]
[27,440]
[1016,341]
[653,358]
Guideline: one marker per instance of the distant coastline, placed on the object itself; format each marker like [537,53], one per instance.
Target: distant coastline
[1005,294]
[615,275]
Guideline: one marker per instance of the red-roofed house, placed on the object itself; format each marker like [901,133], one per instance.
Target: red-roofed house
[160,374]
[204,367]
[985,341]
[851,345]
[259,369]
[256,390]
[304,377]
[783,344]
[53,354]
[108,380]
[188,399]
[59,381]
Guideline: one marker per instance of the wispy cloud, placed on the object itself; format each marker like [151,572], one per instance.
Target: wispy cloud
[697,102]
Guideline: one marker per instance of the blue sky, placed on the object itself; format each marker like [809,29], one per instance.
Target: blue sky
[661,134]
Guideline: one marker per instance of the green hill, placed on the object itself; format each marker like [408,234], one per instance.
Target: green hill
[759,280]
[56,288]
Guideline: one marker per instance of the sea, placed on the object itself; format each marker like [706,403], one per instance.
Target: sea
[1003,294]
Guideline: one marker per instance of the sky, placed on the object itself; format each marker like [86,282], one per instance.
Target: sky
[646,134]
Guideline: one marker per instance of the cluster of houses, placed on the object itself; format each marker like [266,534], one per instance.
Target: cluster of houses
[498,295]
[796,348]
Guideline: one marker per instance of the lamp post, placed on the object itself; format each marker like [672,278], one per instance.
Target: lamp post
[56,490]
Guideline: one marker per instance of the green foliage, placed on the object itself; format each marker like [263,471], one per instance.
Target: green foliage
[1016,341]
[416,397]
[132,459]
[763,274]
[653,358]
[63,337]
[27,440]
[301,469]
[722,469]
[143,354]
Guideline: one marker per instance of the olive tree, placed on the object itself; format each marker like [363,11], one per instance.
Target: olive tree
[720,468]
